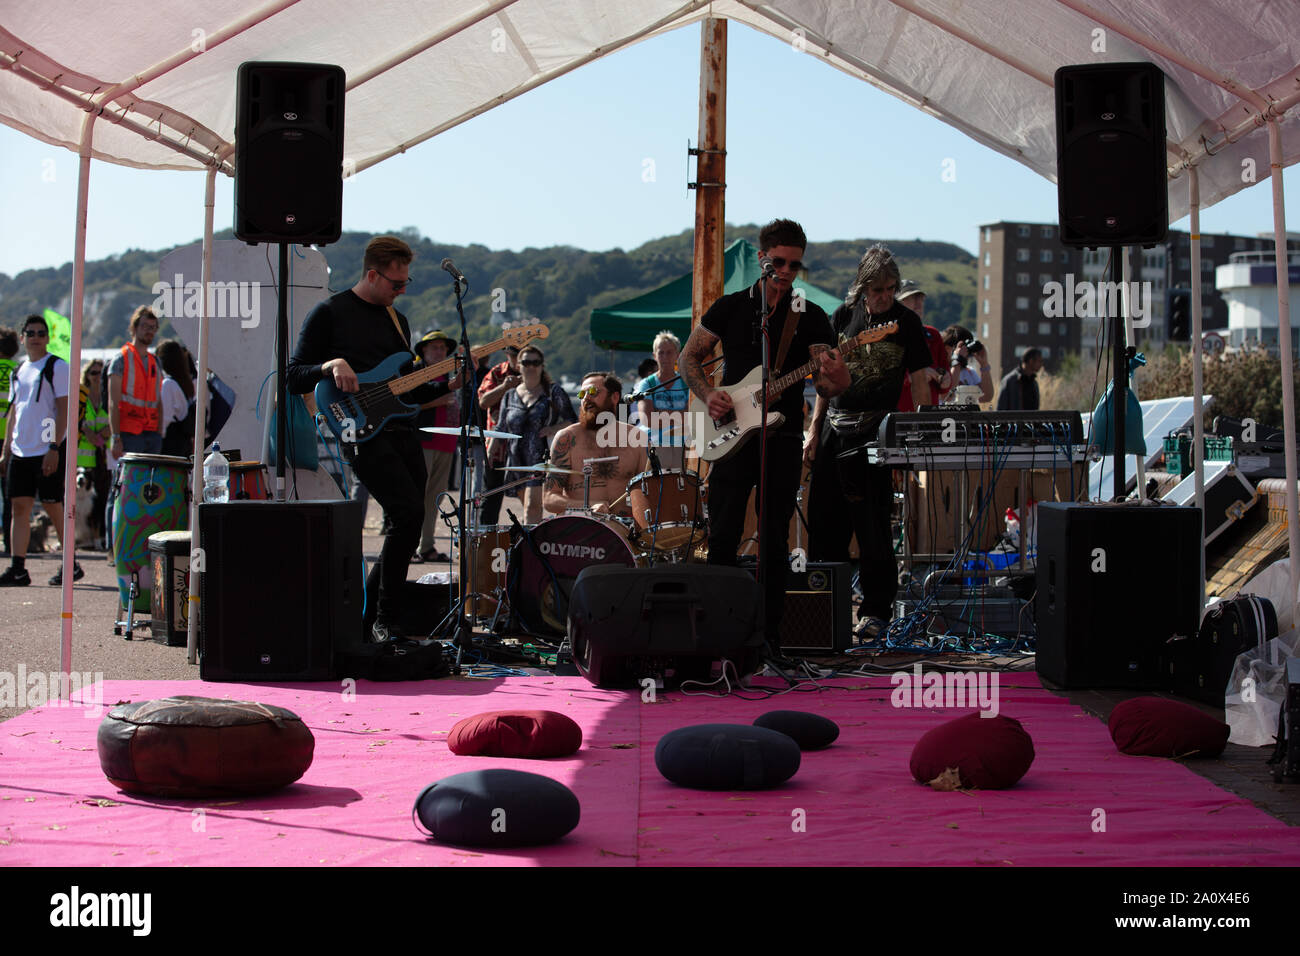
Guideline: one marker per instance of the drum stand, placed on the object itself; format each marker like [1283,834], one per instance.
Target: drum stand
[461,616]
[130,623]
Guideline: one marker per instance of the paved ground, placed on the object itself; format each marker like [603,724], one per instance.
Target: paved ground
[31,632]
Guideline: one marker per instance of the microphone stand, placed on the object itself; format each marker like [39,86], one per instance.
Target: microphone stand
[464,632]
[764,544]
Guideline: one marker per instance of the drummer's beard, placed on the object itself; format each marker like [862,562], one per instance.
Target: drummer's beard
[589,415]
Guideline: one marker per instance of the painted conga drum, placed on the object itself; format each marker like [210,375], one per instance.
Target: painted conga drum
[248,481]
[152,496]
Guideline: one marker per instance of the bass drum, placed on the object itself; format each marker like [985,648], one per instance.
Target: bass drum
[546,561]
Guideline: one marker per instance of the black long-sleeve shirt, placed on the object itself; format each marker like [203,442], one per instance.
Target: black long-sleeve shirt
[348,327]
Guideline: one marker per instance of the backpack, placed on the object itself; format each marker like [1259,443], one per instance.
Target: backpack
[47,375]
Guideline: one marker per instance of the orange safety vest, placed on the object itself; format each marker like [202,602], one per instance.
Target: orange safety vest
[141,410]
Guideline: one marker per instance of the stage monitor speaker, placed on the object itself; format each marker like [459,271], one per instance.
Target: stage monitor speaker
[281,588]
[1111,173]
[673,621]
[1116,583]
[289,153]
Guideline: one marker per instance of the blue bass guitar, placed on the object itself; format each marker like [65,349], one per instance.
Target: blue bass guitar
[356,417]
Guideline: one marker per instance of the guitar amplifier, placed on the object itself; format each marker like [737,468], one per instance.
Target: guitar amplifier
[818,607]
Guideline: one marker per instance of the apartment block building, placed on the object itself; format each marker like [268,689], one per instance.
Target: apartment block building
[1033,292]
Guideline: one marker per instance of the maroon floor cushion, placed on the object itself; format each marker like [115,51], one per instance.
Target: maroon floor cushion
[497,808]
[515,733]
[200,747]
[973,753]
[1156,727]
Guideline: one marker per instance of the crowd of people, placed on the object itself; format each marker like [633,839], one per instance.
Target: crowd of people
[139,403]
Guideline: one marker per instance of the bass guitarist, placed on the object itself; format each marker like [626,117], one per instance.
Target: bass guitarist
[796,329]
[349,334]
[847,496]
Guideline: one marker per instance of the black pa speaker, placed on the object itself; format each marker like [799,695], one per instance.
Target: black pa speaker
[1116,584]
[674,621]
[1111,175]
[281,588]
[289,153]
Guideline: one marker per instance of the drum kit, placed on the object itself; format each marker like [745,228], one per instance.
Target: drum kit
[529,570]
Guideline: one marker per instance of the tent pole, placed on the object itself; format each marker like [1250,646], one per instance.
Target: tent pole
[197,565]
[1198,362]
[1280,258]
[68,533]
[710,169]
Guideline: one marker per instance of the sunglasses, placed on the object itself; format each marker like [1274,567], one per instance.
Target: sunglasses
[531,363]
[589,390]
[398,284]
[36,333]
[796,265]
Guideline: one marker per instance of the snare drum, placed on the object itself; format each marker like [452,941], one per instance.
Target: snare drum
[248,481]
[552,555]
[668,509]
[489,556]
[152,496]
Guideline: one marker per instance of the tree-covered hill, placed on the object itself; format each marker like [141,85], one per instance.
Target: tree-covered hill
[559,284]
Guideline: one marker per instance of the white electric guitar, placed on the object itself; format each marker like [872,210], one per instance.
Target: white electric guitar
[719,438]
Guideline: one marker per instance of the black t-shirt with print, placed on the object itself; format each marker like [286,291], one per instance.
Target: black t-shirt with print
[877,370]
[735,320]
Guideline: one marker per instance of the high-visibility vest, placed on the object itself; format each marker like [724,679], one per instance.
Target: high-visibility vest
[141,408]
[7,367]
[96,418]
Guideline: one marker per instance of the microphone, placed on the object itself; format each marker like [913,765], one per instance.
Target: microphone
[450,267]
[654,459]
[764,263]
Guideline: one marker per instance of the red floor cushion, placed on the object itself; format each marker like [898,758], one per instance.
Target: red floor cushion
[1156,727]
[200,747]
[515,733]
[497,808]
[973,753]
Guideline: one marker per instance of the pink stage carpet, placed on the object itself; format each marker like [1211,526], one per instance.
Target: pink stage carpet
[1082,802]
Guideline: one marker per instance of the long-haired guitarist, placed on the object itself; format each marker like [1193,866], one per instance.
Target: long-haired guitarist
[798,328]
[848,496]
[348,335]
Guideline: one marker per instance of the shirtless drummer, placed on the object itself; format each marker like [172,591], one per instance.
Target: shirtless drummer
[598,435]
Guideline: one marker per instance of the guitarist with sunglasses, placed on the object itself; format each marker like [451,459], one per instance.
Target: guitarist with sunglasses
[349,334]
[797,329]
[847,496]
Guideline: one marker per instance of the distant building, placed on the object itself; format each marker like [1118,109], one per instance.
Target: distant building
[1031,289]
[1248,284]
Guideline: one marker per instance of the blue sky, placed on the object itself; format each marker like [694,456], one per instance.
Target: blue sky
[597,159]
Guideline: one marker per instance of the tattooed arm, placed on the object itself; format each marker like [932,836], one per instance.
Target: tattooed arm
[557,489]
[697,350]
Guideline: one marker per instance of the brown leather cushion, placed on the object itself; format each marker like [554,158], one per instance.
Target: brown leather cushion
[515,733]
[200,747]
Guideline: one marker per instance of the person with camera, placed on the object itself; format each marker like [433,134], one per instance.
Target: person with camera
[970,362]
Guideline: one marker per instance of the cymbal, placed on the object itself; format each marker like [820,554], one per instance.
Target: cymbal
[474,431]
[542,469]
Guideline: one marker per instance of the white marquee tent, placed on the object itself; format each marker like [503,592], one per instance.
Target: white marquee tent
[153,85]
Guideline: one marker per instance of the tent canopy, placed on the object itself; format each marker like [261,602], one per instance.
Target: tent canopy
[632,325]
[982,66]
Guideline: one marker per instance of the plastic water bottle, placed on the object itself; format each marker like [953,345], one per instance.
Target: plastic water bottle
[1013,528]
[216,476]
